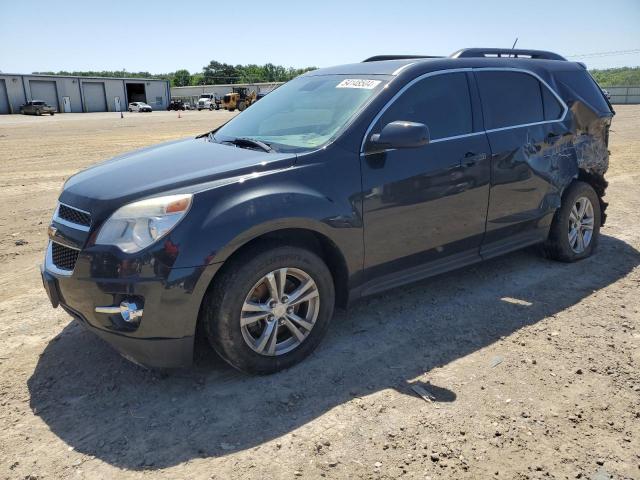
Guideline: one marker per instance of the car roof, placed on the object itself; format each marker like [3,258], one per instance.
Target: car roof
[418,66]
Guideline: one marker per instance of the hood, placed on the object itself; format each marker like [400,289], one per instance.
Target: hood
[183,164]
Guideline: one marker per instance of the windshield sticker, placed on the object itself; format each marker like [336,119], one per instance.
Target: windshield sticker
[359,83]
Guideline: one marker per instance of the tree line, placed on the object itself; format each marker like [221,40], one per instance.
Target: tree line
[622,77]
[215,73]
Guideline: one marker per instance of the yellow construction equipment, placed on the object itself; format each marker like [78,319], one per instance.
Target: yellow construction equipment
[239,98]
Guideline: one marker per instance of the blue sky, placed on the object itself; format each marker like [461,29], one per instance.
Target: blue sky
[160,36]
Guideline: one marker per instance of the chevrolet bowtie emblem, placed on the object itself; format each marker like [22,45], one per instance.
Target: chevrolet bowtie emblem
[51,231]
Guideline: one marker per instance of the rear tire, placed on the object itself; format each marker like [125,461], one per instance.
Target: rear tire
[242,106]
[575,228]
[38,112]
[244,280]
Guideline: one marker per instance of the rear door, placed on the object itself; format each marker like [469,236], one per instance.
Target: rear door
[427,204]
[522,117]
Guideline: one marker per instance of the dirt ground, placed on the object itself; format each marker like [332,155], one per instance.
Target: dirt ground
[534,365]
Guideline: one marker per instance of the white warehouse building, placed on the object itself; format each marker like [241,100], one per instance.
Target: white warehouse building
[81,94]
[192,93]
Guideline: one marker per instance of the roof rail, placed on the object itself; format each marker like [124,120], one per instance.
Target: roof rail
[506,52]
[379,58]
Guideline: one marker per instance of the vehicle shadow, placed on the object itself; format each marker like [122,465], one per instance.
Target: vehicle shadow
[102,405]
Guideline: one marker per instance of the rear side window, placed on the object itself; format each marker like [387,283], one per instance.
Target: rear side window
[441,102]
[582,87]
[552,108]
[509,99]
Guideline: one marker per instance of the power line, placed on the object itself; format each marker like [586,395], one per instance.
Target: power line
[605,54]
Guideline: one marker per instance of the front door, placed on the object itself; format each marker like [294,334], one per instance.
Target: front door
[426,205]
[116,102]
[66,104]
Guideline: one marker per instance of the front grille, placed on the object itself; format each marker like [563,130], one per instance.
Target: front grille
[73,215]
[63,257]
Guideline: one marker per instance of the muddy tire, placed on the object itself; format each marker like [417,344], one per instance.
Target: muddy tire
[289,288]
[576,225]
[38,112]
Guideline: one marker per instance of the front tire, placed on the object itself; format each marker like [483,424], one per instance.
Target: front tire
[269,308]
[576,225]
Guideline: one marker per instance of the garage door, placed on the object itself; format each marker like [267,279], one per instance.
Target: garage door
[4,99]
[44,90]
[94,97]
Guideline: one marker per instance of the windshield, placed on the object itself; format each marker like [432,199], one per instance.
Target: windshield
[302,114]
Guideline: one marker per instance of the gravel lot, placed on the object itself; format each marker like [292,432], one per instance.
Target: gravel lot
[534,365]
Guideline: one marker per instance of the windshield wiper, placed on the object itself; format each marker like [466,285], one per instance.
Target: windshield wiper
[249,142]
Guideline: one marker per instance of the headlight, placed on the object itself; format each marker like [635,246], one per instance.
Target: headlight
[139,224]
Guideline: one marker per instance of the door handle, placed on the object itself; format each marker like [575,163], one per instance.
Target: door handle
[471,158]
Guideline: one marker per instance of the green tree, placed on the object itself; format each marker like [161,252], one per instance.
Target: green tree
[623,77]
[181,78]
[219,73]
[197,79]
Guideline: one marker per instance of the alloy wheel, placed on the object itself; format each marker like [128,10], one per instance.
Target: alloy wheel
[581,221]
[280,311]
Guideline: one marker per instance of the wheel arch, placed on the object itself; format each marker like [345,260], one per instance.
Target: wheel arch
[599,184]
[302,237]
[307,236]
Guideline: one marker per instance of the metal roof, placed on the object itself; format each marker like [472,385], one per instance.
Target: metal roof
[5,74]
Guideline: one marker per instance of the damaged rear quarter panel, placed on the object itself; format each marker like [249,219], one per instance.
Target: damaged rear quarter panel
[533,165]
[589,119]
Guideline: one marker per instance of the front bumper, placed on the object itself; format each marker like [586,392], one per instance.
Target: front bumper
[148,352]
[171,298]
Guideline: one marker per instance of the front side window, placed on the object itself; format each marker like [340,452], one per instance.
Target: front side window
[303,114]
[510,98]
[441,102]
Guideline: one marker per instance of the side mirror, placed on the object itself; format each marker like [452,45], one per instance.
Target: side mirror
[402,134]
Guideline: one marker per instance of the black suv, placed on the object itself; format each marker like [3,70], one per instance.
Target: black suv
[342,183]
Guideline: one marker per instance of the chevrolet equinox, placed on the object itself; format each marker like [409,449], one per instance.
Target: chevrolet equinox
[342,183]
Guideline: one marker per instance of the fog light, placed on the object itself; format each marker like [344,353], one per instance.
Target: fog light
[128,310]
